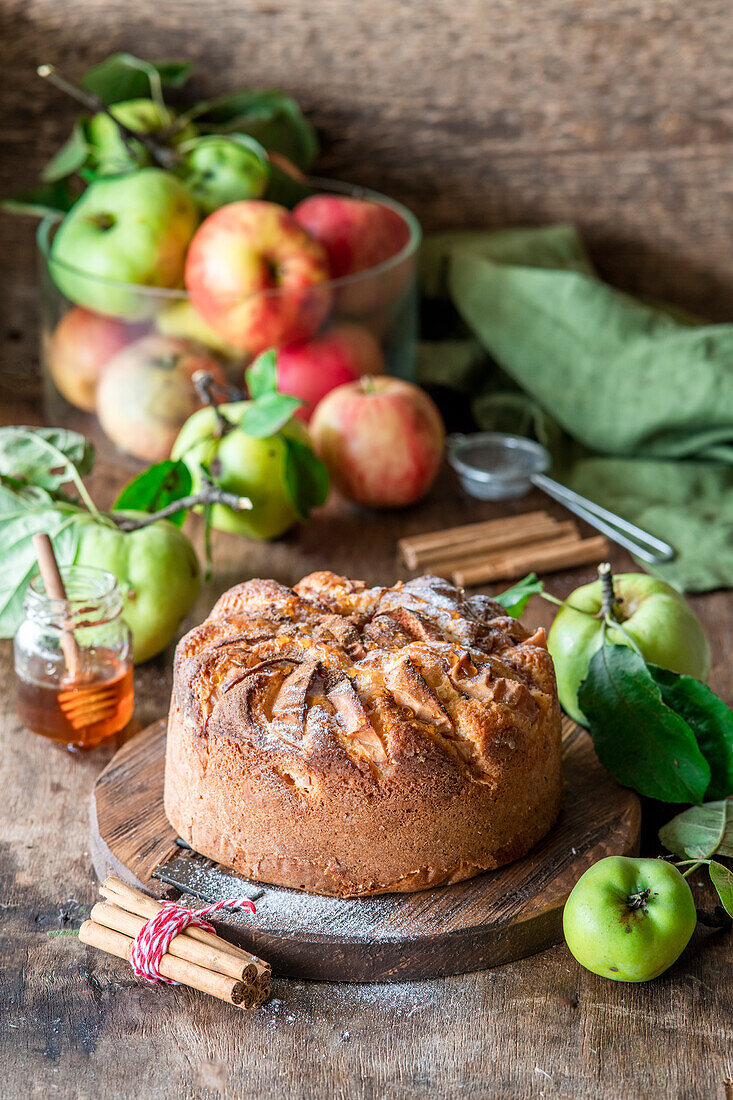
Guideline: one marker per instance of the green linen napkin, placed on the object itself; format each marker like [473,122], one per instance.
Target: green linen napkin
[633,400]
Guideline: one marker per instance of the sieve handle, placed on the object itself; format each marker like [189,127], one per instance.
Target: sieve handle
[621,531]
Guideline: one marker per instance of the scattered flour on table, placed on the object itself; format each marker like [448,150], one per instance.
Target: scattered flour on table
[283,911]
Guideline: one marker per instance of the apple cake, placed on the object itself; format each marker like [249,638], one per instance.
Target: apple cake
[348,740]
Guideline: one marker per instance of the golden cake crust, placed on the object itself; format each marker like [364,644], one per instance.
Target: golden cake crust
[353,741]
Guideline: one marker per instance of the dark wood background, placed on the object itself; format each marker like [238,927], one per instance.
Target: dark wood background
[615,114]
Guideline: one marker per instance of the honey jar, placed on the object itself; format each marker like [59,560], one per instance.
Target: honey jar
[73,660]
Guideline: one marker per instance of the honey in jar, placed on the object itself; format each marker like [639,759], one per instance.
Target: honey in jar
[73,660]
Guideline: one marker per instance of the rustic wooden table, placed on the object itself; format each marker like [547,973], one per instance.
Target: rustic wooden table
[76,1024]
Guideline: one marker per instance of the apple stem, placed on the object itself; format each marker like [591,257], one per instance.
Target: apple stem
[638,900]
[205,384]
[206,496]
[161,154]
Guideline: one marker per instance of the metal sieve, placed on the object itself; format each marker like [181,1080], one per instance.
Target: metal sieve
[499,466]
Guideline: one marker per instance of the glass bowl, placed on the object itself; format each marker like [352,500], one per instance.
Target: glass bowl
[117,367]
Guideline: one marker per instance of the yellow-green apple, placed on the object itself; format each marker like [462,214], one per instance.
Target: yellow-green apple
[629,919]
[360,236]
[145,394]
[341,354]
[157,572]
[112,154]
[223,168]
[381,439]
[257,277]
[181,319]
[651,612]
[131,229]
[80,347]
[243,465]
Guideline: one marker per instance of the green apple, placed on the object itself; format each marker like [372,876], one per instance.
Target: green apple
[158,574]
[180,319]
[131,229]
[223,168]
[243,465]
[653,613]
[144,116]
[629,919]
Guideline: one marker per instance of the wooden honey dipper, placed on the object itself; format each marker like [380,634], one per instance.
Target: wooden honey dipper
[82,705]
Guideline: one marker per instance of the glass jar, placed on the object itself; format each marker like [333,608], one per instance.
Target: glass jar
[73,660]
[118,359]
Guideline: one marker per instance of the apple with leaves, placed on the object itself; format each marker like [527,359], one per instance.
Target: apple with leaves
[112,154]
[257,277]
[131,229]
[650,615]
[256,449]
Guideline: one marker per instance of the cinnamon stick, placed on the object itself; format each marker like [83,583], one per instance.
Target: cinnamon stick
[183,947]
[544,557]
[452,536]
[236,992]
[480,549]
[142,905]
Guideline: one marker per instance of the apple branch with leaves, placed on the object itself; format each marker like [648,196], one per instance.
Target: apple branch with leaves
[42,490]
[665,735]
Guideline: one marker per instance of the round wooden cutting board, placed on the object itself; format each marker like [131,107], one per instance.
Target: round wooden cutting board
[492,919]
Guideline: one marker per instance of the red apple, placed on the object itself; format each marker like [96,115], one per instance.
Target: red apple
[382,440]
[359,235]
[146,395]
[257,277]
[339,355]
[81,344]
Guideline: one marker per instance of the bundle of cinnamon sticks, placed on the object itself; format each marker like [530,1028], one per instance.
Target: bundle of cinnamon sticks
[501,549]
[195,957]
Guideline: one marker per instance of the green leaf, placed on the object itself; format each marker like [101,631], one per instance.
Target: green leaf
[268,414]
[161,484]
[284,190]
[709,718]
[123,76]
[696,833]
[39,201]
[19,521]
[516,598]
[70,157]
[174,74]
[306,477]
[41,456]
[722,880]
[274,119]
[642,743]
[261,376]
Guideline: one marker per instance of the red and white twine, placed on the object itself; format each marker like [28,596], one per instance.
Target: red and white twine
[153,939]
